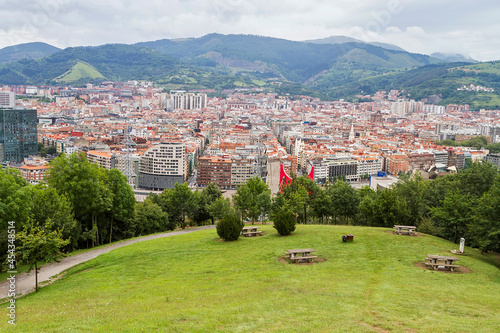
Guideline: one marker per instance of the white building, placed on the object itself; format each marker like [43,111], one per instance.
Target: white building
[7,99]
[162,166]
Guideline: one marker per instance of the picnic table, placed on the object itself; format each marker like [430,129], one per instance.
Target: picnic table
[410,229]
[250,231]
[301,255]
[436,261]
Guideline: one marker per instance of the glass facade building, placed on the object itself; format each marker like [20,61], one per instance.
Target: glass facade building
[18,134]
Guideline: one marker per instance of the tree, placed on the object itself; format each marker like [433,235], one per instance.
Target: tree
[284,219]
[484,231]
[344,199]
[123,200]
[383,208]
[454,215]
[321,205]
[149,218]
[48,205]
[85,186]
[15,204]
[229,228]
[209,195]
[219,208]
[411,191]
[477,178]
[39,244]
[178,203]
[252,199]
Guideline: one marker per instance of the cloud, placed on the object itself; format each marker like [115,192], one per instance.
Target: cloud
[422,26]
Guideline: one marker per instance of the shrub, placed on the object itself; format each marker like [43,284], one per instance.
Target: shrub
[229,228]
[427,226]
[284,222]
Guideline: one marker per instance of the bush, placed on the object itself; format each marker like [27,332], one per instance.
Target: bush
[229,228]
[427,226]
[284,222]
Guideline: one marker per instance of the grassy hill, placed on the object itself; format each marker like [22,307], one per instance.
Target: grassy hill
[26,51]
[79,72]
[194,283]
[111,61]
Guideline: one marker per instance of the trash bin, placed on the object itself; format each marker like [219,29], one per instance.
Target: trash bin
[344,238]
[350,237]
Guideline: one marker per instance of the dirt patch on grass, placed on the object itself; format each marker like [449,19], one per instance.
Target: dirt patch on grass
[376,328]
[458,270]
[285,260]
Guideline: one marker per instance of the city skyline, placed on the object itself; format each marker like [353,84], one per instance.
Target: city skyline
[420,27]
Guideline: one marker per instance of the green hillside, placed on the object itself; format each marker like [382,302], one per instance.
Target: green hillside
[112,61]
[195,283]
[80,71]
[26,51]
[293,61]
[422,82]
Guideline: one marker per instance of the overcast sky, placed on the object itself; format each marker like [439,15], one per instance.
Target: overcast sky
[421,26]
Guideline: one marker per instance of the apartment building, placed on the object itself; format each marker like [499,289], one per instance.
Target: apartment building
[162,166]
[214,169]
[493,159]
[188,101]
[397,163]
[7,99]
[369,165]
[242,169]
[422,161]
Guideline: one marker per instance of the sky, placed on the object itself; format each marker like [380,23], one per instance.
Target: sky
[421,26]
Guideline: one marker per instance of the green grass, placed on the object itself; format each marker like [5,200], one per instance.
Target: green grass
[194,283]
[81,70]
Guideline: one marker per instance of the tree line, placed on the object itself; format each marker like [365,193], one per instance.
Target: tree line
[84,205]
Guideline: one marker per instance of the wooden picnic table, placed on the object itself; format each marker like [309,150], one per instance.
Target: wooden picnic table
[436,261]
[410,229]
[250,231]
[298,255]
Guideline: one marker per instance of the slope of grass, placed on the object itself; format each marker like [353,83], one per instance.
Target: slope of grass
[194,283]
[81,70]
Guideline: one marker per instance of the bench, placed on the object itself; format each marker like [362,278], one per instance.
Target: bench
[306,258]
[251,233]
[436,265]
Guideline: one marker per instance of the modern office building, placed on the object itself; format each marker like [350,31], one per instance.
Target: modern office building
[162,166]
[18,134]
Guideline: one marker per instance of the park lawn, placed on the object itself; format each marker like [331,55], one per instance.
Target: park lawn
[195,283]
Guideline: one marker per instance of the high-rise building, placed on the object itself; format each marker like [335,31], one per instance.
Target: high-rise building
[18,134]
[188,101]
[162,166]
[7,99]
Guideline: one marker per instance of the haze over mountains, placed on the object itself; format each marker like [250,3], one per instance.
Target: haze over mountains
[333,67]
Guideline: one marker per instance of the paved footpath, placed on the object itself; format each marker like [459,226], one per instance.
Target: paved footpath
[25,282]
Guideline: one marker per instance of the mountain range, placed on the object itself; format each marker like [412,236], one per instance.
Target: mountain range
[334,67]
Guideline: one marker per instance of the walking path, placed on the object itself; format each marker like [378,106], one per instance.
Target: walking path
[25,282]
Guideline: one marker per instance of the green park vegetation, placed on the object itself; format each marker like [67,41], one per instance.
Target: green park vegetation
[92,206]
[193,283]
[477,142]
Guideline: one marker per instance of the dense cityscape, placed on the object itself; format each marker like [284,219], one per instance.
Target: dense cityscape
[246,166]
[130,126]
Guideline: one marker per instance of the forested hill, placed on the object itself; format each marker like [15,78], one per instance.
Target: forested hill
[26,51]
[282,66]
